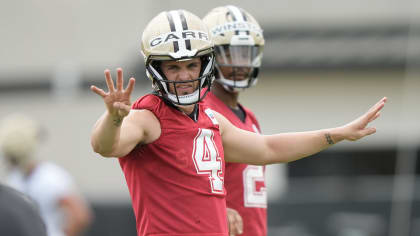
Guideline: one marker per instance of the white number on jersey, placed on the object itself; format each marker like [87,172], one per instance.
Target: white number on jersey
[207,160]
[254,195]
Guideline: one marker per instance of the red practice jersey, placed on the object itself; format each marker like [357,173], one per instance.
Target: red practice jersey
[244,183]
[176,182]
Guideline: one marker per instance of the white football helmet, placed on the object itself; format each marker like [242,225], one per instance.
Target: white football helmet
[19,138]
[239,42]
[177,35]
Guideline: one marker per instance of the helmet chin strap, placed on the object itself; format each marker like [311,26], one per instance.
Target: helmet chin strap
[185,99]
[229,88]
[232,86]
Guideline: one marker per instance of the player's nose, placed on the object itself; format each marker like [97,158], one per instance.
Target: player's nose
[184,75]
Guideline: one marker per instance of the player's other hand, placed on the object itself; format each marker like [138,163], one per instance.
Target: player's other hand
[235,222]
[358,128]
[117,101]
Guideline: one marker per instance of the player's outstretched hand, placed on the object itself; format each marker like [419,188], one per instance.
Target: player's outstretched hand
[235,222]
[117,101]
[358,129]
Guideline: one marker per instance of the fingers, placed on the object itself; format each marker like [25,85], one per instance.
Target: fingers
[235,222]
[119,79]
[381,103]
[98,91]
[368,131]
[130,86]
[234,229]
[236,226]
[374,117]
[374,110]
[109,81]
[378,104]
[239,224]
[383,100]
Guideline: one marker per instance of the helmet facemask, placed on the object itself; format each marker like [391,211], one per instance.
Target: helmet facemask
[164,85]
[237,66]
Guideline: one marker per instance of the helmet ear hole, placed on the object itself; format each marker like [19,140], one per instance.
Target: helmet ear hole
[204,62]
[157,66]
[255,73]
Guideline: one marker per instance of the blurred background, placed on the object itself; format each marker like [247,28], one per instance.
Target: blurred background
[325,63]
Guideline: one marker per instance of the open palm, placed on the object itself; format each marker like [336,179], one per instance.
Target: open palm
[117,101]
[358,128]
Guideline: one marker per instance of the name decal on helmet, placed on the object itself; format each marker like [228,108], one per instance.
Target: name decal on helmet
[177,36]
[234,26]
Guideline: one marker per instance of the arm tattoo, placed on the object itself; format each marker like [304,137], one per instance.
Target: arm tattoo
[329,139]
[117,121]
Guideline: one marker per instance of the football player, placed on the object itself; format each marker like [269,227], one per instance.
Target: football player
[239,43]
[171,147]
[50,186]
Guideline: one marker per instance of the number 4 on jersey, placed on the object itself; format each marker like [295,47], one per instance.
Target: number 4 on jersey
[207,160]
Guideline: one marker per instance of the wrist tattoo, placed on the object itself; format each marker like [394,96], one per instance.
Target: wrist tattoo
[329,139]
[117,121]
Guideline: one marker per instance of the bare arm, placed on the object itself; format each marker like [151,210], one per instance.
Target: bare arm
[120,129]
[247,147]
[78,214]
